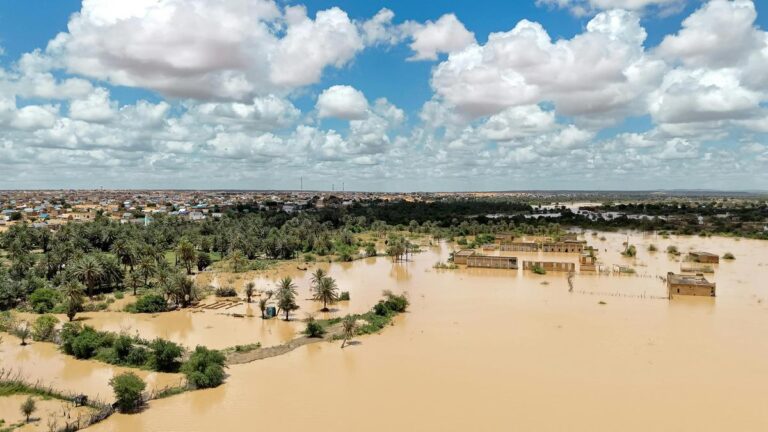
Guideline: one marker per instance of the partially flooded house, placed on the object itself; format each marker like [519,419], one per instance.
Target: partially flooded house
[519,247]
[703,257]
[691,285]
[587,262]
[570,246]
[550,266]
[461,256]
[498,262]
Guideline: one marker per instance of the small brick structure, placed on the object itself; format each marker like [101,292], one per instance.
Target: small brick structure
[550,266]
[704,257]
[689,285]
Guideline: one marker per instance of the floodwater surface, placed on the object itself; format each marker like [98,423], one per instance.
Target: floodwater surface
[500,350]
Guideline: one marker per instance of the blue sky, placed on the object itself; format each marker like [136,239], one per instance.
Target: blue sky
[387,95]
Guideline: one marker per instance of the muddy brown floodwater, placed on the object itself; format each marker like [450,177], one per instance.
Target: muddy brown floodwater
[499,350]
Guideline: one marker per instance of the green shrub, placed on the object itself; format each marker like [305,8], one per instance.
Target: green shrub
[44,328]
[729,256]
[43,300]
[344,296]
[150,303]
[137,356]
[539,270]
[128,388]
[85,344]
[630,251]
[165,355]
[672,250]
[119,295]
[205,368]
[652,248]
[314,329]
[225,292]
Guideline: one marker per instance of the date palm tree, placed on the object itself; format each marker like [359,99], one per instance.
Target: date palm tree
[89,271]
[250,287]
[286,296]
[348,327]
[326,291]
[186,253]
[73,298]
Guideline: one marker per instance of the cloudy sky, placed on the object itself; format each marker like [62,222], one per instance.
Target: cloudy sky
[384,95]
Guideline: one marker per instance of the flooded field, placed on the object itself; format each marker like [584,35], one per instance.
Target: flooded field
[503,350]
[49,413]
[482,349]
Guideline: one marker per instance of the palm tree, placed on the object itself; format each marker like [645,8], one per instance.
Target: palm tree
[185,252]
[132,281]
[249,288]
[348,327]
[125,252]
[317,276]
[89,271]
[73,298]
[262,307]
[238,260]
[326,291]
[147,267]
[286,296]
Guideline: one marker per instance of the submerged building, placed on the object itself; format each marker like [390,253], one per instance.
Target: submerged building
[498,262]
[550,266]
[704,257]
[690,285]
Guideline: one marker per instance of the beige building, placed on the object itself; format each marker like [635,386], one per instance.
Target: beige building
[461,256]
[498,262]
[519,247]
[563,247]
[550,266]
[704,257]
[697,285]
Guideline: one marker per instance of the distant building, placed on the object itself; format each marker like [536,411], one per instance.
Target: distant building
[519,247]
[497,262]
[461,256]
[704,257]
[564,247]
[587,262]
[697,285]
[550,266]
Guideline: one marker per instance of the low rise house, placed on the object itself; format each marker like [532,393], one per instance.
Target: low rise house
[704,257]
[461,256]
[519,247]
[550,266]
[564,247]
[697,285]
[587,262]
[497,262]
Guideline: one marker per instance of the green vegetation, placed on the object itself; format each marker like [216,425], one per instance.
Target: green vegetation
[314,328]
[324,289]
[729,256]
[148,303]
[672,250]
[630,251]
[85,342]
[286,297]
[44,328]
[128,388]
[43,300]
[445,266]
[225,292]
[28,407]
[652,248]
[205,368]
[344,296]
[538,270]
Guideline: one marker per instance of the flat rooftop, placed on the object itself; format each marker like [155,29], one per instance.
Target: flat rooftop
[687,279]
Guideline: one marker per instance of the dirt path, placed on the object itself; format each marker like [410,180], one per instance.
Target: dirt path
[277,350]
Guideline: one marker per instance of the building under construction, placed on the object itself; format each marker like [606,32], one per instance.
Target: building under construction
[697,285]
